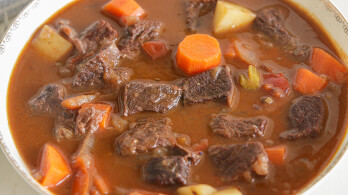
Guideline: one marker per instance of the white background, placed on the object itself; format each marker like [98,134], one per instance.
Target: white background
[336,183]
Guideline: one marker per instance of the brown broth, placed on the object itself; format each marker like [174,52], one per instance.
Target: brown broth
[305,158]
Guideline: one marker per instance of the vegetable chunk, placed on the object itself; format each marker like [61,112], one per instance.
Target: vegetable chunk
[307,82]
[324,63]
[199,189]
[276,154]
[77,101]
[54,167]
[127,12]
[105,108]
[231,17]
[50,44]
[155,49]
[254,80]
[198,53]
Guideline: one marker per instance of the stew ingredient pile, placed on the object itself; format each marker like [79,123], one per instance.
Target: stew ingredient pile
[201,97]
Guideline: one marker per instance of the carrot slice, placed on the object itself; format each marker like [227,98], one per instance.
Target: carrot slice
[105,108]
[126,11]
[276,154]
[324,63]
[198,53]
[54,167]
[82,182]
[155,49]
[307,82]
[77,101]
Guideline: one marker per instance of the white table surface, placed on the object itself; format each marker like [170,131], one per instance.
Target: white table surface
[336,182]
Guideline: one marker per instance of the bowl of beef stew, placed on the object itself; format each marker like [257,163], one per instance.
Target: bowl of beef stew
[175,97]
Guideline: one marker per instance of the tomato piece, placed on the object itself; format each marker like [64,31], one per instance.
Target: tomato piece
[155,49]
[277,84]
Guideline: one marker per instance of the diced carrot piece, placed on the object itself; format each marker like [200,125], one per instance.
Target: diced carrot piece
[230,52]
[198,53]
[77,101]
[307,82]
[324,63]
[54,167]
[155,49]
[100,183]
[105,108]
[126,11]
[277,154]
[274,81]
[82,182]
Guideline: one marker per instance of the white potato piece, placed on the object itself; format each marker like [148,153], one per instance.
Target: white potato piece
[231,17]
[50,44]
[199,189]
[228,191]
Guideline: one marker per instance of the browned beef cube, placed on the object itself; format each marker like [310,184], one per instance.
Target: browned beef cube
[47,101]
[145,135]
[88,120]
[116,77]
[94,38]
[98,34]
[231,126]
[270,21]
[237,161]
[144,30]
[170,170]
[307,115]
[194,9]
[138,96]
[215,84]
[65,125]
[89,74]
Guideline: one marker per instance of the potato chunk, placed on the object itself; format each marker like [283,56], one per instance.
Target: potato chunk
[228,191]
[50,44]
[231,17]
[200,189]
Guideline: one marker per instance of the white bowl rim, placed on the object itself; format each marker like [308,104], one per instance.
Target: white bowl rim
[341,150]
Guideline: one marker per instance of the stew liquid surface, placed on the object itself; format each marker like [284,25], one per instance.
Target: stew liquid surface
[305,158]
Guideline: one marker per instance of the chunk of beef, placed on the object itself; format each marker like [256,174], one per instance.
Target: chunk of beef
[188,153]
[88,120]
[116,77]
[270,21]
[90,74]
[144,30]
[144,135]
[94,38]
[47,101]
[307,115]
[138,96]
[194,9]
[170,170]
[98,34]
[237,161]
[214,84]
[232,126]
[65,125]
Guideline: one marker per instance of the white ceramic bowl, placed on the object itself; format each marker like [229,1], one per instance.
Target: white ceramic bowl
[38,11]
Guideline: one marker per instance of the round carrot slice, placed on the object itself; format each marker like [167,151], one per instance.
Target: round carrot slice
[198,53]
